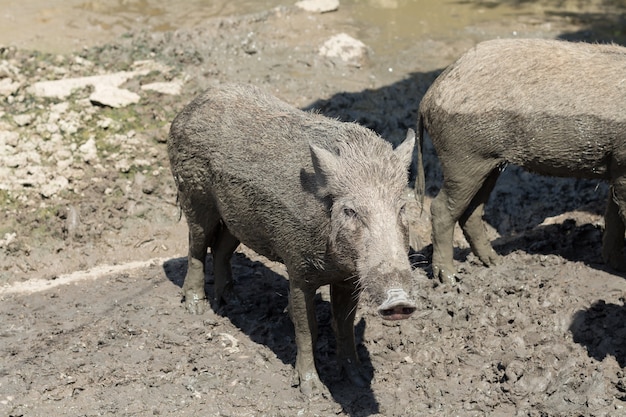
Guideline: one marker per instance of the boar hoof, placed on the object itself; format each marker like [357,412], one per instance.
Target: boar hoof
[445,275]
[490,259]
[309,383]
[194,303]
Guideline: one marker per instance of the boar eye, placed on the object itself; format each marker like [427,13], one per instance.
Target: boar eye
[402,209]
[349,212]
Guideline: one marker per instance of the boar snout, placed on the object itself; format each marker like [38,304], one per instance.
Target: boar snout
[397,306]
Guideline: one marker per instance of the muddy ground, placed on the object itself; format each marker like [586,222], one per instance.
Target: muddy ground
[87,188]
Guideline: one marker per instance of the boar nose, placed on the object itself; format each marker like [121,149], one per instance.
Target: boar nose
[397,306]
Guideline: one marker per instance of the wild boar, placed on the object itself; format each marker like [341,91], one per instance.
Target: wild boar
[321,196]
[552,107]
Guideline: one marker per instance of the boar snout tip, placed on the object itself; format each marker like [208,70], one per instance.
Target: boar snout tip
[397,306]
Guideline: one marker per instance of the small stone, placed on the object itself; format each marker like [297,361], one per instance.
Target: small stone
[88,150]
[123,165]
[64,87]
[318,6]
[113,97]
[23,119]
[9,138]
[8,86]
[8,239]
[346,48]
[53,186]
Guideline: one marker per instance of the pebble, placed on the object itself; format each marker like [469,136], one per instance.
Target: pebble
[346,48]
[23,119]
[88,150]
[111,96]
[318,6]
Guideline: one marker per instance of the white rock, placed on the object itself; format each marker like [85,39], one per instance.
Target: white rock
[23,119]
[104,123]
[53,186]
[16,160]
[58,109]
[9,138]
[8,86]
[111,96]
[51,127]
[172,88]
[346,48]
[31,176]
[62,154]
[32,157]
[8,239]
[64,87]
[69,126]
[8,70]
[64,164]
[88,150]
[318,6]
[122,165]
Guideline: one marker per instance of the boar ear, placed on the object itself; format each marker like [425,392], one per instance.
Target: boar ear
[325,164]
[404,151]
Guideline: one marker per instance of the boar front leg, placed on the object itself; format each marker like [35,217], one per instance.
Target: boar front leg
[614,220]
[344,299]
[302,312]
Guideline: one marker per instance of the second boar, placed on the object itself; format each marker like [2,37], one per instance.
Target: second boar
[552,107]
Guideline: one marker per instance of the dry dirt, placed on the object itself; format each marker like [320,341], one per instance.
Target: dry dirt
[542,334]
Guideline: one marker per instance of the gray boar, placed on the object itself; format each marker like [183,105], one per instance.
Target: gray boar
[321,196]
[552,107]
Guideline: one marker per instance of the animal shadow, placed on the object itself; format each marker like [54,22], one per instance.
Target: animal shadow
[601,330]
[260,312]
[576,243]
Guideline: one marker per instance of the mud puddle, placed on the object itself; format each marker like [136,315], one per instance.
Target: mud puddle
[387,26]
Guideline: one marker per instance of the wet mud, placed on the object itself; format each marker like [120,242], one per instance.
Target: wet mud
[540,334]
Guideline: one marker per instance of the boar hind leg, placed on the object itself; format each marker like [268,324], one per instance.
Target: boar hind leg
[459,189]
[222,248]
[201,229]
[344,300]
[302,312]
[614,219]
[443,222]
[473,226]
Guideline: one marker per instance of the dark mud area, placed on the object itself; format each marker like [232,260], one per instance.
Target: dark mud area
[541,334]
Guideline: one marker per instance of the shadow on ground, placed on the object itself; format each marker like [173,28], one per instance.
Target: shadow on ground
[260,312]
[601,330]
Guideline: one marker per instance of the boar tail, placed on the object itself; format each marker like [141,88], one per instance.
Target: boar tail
[420,180]
[180,208]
